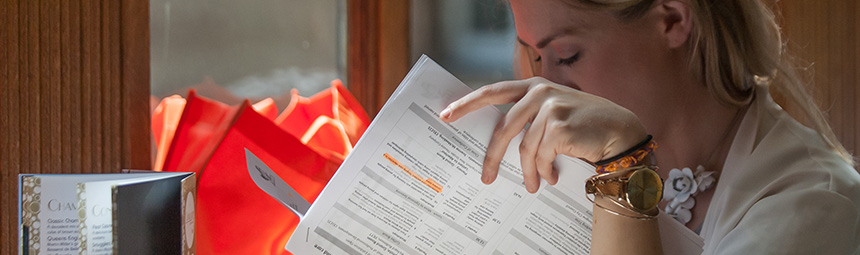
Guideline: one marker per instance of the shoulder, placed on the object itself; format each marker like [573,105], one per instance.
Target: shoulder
[789,156]
[811,221]
[788,194]
[786,155]
[793,198]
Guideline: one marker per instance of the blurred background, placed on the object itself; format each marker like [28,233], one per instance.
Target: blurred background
[231,50]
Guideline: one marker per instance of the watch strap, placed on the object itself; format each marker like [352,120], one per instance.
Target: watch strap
[611,186]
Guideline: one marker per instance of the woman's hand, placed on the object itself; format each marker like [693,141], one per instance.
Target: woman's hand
[563,121]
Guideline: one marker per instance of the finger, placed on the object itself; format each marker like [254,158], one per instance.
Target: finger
[509,126]
[497,93]
[544,154]
[532,141]
[531,179]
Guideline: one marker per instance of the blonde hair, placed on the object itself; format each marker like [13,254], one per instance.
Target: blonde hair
[735,44]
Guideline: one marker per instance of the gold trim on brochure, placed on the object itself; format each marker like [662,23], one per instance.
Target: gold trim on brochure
[114,220]
[189,198]
[31,196]
[82,218]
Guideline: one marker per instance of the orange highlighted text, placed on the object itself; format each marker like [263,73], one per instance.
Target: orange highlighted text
[429,182]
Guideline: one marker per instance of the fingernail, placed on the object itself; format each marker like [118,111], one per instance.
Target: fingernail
[489,179]
[446,113]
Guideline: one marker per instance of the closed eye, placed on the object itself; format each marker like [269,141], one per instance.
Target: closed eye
[569,61]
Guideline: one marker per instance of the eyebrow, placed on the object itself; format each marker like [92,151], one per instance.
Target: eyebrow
[544,42]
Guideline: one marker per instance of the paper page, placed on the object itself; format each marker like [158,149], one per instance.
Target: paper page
[273,185]
[412,186]
[96,232]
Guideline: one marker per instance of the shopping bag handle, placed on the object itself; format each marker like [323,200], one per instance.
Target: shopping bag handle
[325,120]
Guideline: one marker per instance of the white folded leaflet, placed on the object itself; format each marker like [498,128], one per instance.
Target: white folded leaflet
[143,212]
[269,182]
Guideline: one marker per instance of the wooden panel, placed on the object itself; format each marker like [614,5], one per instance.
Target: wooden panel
[825,34]
[394,52]
[377,49]
[8,138]
[361,38]
[134,75]
[74,90]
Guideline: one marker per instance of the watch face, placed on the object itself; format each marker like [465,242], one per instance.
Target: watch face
[644,189]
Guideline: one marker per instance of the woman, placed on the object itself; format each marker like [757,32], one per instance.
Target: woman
[695,74]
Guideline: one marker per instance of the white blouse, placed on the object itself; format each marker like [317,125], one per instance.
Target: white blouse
[782,191]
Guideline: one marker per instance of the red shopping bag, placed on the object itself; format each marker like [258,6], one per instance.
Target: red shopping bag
[267,108]
[331,120]
[165,118]
[196,135]
[233,215]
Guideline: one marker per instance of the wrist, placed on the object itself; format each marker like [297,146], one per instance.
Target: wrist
[606,205]
[613,234]
[629,136]
[632,192]
[638,154]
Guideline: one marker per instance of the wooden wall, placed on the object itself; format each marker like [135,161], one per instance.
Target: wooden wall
[377,49]
[74,92]
[826,35]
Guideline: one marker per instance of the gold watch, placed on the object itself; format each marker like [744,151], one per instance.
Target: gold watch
[638,188]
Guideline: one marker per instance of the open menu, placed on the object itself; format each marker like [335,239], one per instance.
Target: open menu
[134,213]
[412,186]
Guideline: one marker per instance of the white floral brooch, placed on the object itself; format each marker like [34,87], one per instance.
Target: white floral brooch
[680,188]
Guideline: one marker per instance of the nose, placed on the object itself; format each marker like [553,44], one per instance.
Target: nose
[555,74]
[551,73]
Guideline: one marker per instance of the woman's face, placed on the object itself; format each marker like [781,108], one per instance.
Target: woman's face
[594,51]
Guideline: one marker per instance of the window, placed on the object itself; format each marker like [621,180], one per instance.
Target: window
[473,39]
[231,50]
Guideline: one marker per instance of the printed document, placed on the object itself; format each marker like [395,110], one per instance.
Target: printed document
[412,185]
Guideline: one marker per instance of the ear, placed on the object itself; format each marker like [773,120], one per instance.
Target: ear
[676,21]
